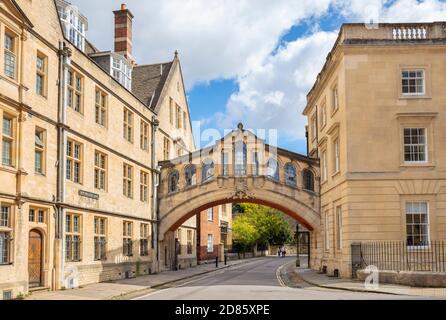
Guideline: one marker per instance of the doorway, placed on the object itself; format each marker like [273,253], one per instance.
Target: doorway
[35,245]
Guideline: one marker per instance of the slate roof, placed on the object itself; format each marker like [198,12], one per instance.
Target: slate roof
[148,81]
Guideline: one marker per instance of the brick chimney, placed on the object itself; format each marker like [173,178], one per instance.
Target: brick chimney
[123,32]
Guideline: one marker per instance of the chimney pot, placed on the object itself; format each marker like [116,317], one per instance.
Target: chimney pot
[123,32]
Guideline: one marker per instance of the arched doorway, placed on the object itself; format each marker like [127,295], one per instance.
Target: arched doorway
[35,250]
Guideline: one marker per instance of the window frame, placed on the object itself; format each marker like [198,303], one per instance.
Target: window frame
[189,241]
[338,213]
[313,127]
[37,212]
[127,180]
[276,176]
[171,104]
[144,135]
[336,156]
[144,236]
[210,214]
[143,186]
[427,224]
[211,243]
[128,121]
[70,232]
[327,230]
[74,91]
[402,78]
[40,149]
[9,138]
[193,178]
[13,53]
[101,108]
[324,166]
[70,158]
[127,238]
[99,169]
[334,98]
[287,181]
[166,149]
[42,73]
[426,146]
[100,238]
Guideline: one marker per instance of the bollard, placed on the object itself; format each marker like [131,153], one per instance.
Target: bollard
[226,259]
[216,261]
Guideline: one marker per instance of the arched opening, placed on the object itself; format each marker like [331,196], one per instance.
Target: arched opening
[308,180]
[290,175]
[273,169]
[191,175]
[241,159]
[200,205]
[35,260]
[309,219]
[174,177]
[208,170]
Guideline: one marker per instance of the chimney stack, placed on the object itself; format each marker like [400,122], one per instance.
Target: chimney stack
[123,32]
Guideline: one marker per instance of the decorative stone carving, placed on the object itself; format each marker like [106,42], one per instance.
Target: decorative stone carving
[241,190]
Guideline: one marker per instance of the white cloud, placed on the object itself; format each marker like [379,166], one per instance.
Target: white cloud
[292,71]
[216,38]
[273,94]
[392,10]
[222,39]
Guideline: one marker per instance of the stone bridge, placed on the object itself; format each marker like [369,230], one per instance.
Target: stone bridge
[239,168]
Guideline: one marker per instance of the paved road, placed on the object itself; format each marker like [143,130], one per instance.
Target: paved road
[251,281]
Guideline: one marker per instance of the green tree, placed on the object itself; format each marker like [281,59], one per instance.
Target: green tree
[244,233]
[269,225]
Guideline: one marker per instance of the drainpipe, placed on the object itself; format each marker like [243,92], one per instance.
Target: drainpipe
[64,64]
[155,182]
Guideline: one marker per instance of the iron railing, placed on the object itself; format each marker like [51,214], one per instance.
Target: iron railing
[399,256]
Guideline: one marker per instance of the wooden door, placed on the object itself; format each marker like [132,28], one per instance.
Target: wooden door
[35,258]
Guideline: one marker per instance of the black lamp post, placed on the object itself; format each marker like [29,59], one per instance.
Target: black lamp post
[297,246]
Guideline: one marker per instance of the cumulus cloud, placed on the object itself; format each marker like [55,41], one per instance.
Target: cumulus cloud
[272,95]
[237,39]
[216,39]
[392,10]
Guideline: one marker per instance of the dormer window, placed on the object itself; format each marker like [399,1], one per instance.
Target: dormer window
[73,22]
[121,70]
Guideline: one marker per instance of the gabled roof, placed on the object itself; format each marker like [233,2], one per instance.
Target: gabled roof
[18,12]
[148,82]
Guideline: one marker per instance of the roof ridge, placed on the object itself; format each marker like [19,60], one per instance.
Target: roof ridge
[152,64]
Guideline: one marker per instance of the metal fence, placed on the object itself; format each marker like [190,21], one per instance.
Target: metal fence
[399,256]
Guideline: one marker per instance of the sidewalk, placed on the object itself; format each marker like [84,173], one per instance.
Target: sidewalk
[321,280]
[126,287]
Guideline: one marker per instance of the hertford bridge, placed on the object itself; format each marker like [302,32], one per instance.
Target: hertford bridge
[238,168]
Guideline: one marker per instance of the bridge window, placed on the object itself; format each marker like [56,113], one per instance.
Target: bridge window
[191,176]
[240,158]
[273,169]
[290,175]
[255,163]
[173,181]
[308,180]
[225,163]
[208,170]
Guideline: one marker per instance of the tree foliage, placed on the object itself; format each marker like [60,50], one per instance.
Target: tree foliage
[260,225]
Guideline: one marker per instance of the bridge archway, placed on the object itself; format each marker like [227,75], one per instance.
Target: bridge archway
[179,207]
[230,172]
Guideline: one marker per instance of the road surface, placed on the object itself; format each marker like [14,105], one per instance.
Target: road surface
[256,280]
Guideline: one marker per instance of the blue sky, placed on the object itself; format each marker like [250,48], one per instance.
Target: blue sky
[247,60]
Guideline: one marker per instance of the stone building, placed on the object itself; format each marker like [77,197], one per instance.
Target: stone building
[82,132]
[376,121]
